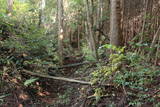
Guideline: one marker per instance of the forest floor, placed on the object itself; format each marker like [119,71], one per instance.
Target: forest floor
[55,93]
[44,92]
[47,92]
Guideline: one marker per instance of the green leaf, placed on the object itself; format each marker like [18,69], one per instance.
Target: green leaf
[30,81]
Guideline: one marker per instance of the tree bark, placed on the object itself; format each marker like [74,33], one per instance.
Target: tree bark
[115,23]
[9,6]
[91,37]
[60,30]
[99,20]
[41,12]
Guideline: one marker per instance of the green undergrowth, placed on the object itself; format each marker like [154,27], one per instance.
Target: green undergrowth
[23,42]
[115,61]
[132,72]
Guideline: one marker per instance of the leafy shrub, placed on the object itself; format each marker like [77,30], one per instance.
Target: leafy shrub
[88,53]
[128,70]
[115,61]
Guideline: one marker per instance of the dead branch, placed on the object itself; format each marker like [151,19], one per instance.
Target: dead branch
[69,65]
[56,78]
[74,65]
[61,78]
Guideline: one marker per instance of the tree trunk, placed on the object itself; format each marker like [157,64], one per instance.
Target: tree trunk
[115,23]
[91,38]
[60,30]
[41,12]
[99,20]
[9,7]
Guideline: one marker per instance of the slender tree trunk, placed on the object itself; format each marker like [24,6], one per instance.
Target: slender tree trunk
[99,20]
[60,30]
[115,23]
[9,6]
[78,38]
[41,12]
[92,43]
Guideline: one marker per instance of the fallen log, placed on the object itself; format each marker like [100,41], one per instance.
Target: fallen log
[61,78]
[57,78]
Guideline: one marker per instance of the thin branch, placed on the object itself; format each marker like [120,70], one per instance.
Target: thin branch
[56,78]
[62,78]
[155,37]
[75,64]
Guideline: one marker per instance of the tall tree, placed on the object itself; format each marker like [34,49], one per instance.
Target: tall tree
[41,12]
[9,6]
[98,19]
[60,30]
[115,23]
[89,23]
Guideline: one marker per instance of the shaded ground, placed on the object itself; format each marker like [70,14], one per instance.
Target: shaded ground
[54,93]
